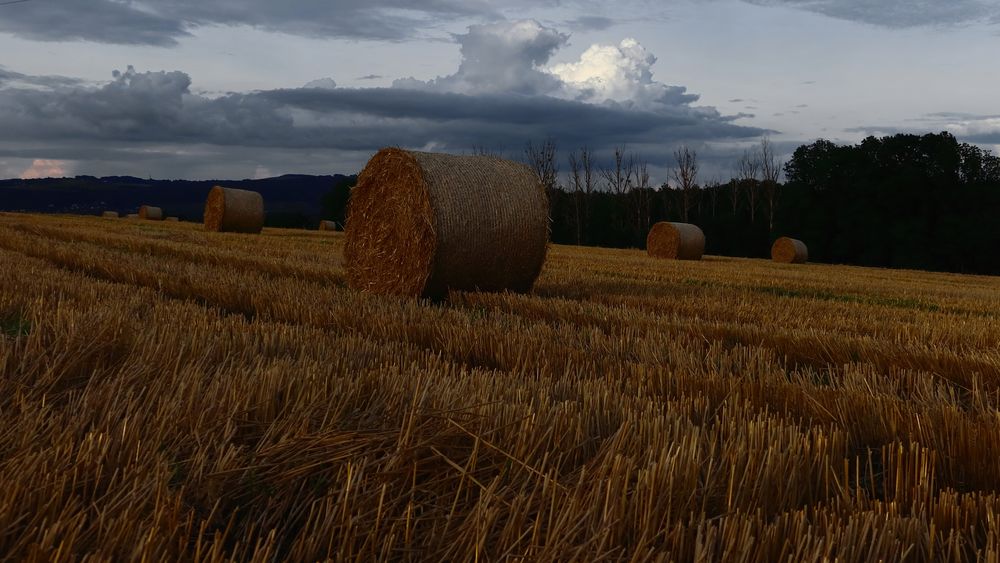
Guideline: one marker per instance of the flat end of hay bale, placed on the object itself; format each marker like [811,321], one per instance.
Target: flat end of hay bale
[787,250]
[390,235]
[675,241]
[232,210]
[423,224]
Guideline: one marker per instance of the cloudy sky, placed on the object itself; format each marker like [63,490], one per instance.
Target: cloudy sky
[229,89]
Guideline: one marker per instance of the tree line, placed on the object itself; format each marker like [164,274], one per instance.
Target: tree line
[901,201]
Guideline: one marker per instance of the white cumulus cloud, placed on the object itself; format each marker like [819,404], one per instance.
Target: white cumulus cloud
[620,73]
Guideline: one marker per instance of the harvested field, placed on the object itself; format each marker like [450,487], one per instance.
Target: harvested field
[233,399]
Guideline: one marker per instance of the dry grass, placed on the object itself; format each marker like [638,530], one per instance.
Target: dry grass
[232,399]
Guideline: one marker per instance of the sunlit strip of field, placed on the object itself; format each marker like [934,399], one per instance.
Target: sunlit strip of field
[171,393]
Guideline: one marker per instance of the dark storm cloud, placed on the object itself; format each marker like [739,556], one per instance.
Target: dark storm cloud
[165,21]
[139,114]
[897,13]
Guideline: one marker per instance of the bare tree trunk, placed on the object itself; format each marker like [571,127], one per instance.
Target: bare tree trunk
[747,168]
[543,160]
[686,176]
[641,195]
[576,178]
[770,171]
[619,179]
[712,187]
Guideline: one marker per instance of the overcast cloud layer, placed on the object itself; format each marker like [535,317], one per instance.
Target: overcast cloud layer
[222,88]
[165,22]
[502,95]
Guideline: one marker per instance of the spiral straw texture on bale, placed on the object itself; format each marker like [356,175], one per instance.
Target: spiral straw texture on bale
[789,251]
[234,211]
[151,213]
[110,215]
[675,241]
[420,224]
[327,225]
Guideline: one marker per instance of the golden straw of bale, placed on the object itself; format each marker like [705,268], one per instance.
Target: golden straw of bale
[327,226]
[675,241]
[110,215]
[234,211]
[420,224]
[132,216]
[789,251]
[151,213]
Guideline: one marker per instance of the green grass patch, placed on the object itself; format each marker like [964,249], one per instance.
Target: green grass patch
[14,326]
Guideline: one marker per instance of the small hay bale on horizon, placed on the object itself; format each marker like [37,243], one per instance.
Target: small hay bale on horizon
[421,224]
[110,215]
[132,216]
[788,250]
[172,219]
[231,210]
[151,213]
[328,226]
[675,241]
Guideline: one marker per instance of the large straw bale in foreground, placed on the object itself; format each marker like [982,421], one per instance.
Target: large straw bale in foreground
[150,213]
[328,225]
[675,241]
[110,215]
[789,251]
[421,224]
[234,211]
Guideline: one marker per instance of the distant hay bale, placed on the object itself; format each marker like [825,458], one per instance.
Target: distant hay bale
[420,224]
[172,219]
[110,215]
[231,210]
[789,251]
[328,226]
[150,213]
[132,216]
[675,241]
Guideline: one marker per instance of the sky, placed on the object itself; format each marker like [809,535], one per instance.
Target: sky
[220,89]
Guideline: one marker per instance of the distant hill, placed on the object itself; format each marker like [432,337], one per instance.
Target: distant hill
[292,200]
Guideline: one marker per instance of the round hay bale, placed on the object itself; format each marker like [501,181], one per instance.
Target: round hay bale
[172,219]
[328,225]
[150,213]
[231,210]
[132,216]
[110,215]
[420,224]
[789,251]
[675,241]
